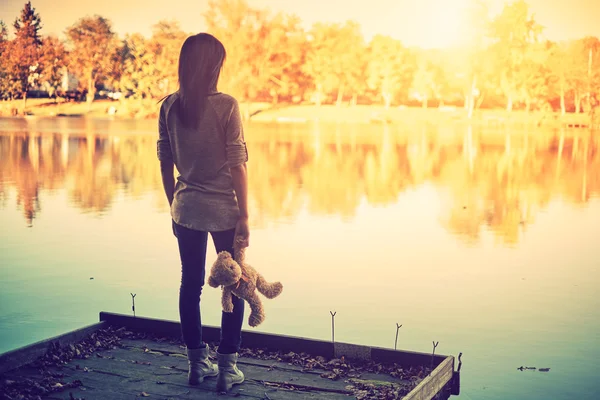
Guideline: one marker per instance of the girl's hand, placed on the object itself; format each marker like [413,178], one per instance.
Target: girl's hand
[242,232]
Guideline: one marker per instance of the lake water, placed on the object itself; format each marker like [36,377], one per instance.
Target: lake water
[484,240]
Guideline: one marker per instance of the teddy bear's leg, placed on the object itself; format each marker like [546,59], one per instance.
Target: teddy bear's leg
[257,313]
[226,300]
[269,290]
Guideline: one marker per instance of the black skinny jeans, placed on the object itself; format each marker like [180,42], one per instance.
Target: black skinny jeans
[192,250]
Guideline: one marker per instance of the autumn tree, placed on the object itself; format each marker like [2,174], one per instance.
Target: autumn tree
[140,72]
[54,61]
[474,66]
[3,35]
[577,78]
[333,60]
[389,67]
[349,54]
[4,78]
[356,78]
[319,63]
[91,43]
[570,64]
[117,66]
[276,60]
[535,78]
[559,64]
[251,37]
[24,51]
[424,86]
[591,47]
[165,44]
[287,80]
[514,31]
[449,74]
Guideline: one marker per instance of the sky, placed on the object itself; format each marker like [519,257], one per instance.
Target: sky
[419,23]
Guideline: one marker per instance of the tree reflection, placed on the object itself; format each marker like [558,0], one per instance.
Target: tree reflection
[495,180]
[510,182]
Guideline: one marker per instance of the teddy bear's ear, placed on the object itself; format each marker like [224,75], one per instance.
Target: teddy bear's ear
[212,282]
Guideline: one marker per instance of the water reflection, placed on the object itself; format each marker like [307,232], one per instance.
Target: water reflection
[494,180]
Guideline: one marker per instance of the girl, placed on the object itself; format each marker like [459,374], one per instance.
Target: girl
[200,133]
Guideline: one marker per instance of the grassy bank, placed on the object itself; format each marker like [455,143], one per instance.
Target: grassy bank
[51,108]
[264,112]
[126,108]
[419,116]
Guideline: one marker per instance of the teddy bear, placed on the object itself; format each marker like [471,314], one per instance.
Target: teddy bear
[238,278]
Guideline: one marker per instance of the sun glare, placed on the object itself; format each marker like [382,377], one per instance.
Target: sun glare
[436,23]
[447,22]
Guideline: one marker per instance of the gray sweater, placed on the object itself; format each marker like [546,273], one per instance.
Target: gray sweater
[204,197]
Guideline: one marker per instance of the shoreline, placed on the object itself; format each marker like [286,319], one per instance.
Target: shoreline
[265,112]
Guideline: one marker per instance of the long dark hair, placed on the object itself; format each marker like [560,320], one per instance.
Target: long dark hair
[200,62]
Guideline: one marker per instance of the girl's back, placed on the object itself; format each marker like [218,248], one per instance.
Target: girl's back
[204,198]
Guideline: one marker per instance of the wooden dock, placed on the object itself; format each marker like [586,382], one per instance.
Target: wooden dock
[125,357]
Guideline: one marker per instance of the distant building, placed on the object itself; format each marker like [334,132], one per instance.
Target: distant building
[69,81]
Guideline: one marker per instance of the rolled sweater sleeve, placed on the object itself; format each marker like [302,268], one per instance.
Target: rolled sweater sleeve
[235,144]
[163,145]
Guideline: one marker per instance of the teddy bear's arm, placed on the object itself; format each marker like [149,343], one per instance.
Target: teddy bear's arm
[226,300]
[269,290]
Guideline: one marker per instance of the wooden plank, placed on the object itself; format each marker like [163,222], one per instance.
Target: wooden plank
[274,342]
[25,355]
[212,334]
[160,363]
[175,385]
[170,348]
[352,351]
[287,343]
[158,327]
[104,378]
[405,358]
[434,383]
[133,365]
[102,385]
[82,393]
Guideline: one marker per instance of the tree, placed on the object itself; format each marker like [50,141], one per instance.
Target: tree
[424,86]
[534,79]
[3,36]
[514,32]
[475,33]
[389,67]
[117,65]
[250,37]
[356,77]
[54,61]
[140,73]
[166,41]
[333,58]
[592,46]
[24,51]
[273,58]
[92,43]
[286,76]
[579,56]
[4,78]
[351,64]
[559,64]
